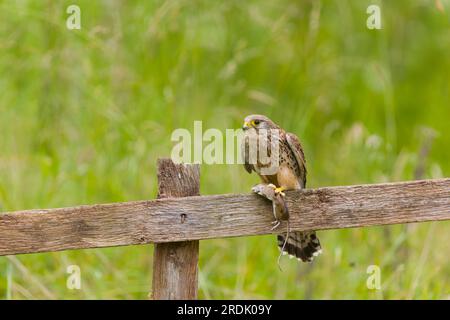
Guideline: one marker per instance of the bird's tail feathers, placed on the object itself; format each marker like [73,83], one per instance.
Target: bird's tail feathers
[302,245]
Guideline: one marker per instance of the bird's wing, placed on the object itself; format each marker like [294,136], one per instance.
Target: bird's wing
[248,167]
[296,148]
[245,156]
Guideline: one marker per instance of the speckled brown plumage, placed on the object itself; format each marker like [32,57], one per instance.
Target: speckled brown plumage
[290,175]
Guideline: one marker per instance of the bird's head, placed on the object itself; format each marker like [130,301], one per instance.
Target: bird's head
[257,122]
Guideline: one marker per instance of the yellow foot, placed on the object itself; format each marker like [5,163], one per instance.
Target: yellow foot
[278,190]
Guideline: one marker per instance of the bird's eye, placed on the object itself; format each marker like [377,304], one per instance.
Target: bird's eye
[256,122]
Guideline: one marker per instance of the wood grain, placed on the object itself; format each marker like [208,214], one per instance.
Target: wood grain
[175,264]
[218,216]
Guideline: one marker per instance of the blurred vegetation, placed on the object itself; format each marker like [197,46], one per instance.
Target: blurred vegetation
[84,114]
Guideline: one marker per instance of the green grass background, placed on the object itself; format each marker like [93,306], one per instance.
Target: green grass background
[85,114]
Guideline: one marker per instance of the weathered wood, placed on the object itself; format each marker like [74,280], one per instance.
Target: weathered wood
[206,217]
[175,264]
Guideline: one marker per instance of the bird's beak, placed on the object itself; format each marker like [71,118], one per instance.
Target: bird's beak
[246,126]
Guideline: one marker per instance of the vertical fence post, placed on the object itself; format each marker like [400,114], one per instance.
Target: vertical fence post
[175,265]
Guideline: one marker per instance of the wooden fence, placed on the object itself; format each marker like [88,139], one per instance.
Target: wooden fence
[180,217]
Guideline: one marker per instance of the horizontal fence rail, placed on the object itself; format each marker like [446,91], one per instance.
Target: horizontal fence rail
[218,216]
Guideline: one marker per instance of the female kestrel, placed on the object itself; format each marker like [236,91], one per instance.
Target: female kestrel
[286,172]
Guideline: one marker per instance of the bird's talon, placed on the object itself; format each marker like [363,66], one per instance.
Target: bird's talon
[277,190]
[280,191]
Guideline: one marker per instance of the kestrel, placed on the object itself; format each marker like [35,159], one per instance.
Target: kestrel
[289,174]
